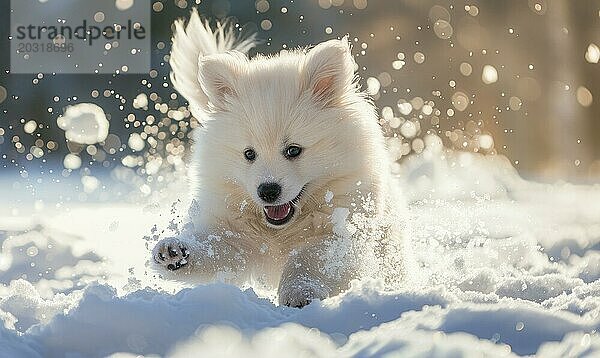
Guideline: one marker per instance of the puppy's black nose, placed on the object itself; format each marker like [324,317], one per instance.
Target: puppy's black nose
[269,192]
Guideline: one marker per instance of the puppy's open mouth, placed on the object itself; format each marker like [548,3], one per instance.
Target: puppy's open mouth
[280,214]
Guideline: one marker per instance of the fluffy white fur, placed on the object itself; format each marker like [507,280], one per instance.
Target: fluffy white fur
[345,224]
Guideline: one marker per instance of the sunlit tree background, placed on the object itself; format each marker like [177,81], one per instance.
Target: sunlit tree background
[518,78]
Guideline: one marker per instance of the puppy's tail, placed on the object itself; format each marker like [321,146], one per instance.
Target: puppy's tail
[193,41]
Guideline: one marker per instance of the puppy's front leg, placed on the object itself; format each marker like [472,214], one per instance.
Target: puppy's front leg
[198,255]
[173,253]
[305,277]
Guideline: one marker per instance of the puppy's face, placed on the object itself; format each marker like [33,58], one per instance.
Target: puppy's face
[279,126]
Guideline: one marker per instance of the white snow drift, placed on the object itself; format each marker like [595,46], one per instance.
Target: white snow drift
[506,267]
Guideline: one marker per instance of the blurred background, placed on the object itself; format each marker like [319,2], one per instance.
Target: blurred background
[518,78]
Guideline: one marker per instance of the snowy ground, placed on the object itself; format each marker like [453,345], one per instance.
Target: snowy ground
[507,267]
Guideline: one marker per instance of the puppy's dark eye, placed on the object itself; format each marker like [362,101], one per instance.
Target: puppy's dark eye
[293,151]
[250,154]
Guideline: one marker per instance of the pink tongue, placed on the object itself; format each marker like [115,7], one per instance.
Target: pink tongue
[279,212]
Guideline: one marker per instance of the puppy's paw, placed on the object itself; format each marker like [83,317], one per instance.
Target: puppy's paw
[299,293]
[171,253]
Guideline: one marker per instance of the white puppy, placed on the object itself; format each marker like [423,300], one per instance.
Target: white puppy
[291,181]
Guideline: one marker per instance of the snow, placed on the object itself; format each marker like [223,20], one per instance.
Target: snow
[136,142]
[30,127]
[84,123]
[140,101]
[592,55]
[123,4]
[506,267]
[489,74]
[72,161]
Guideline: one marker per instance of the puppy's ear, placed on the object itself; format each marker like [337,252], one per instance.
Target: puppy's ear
[218,75]
[328,71]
